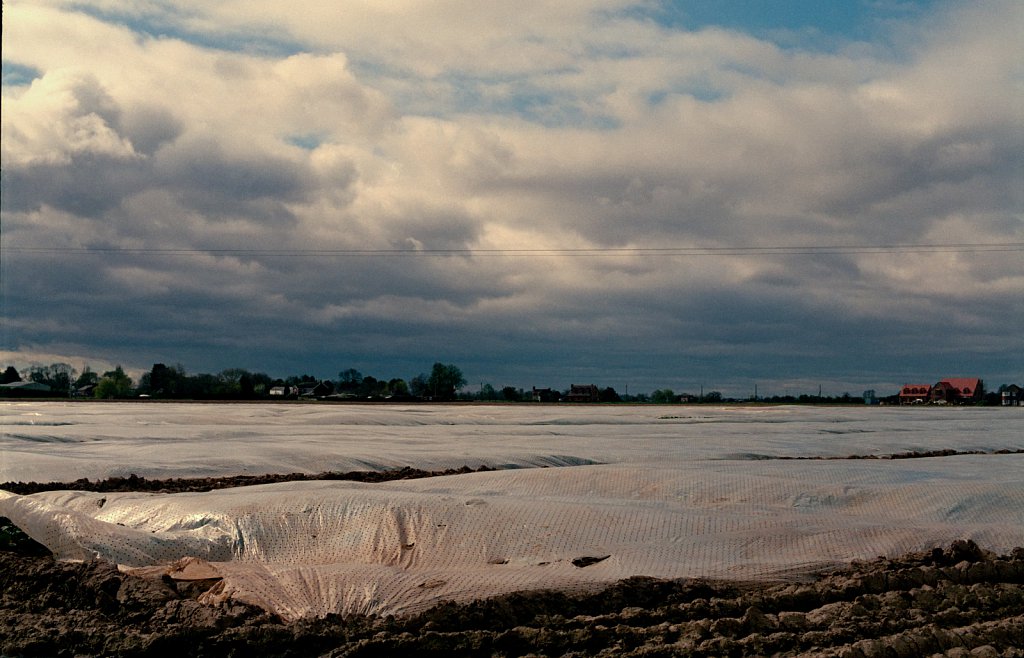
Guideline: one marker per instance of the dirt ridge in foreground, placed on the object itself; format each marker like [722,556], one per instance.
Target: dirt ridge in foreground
[959,602]
[200,484]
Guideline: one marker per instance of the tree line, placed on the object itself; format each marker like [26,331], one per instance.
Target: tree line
[444,382]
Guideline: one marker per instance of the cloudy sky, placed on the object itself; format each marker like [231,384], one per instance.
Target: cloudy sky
[633,193]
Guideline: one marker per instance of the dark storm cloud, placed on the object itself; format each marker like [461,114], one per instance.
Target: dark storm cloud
[149,128]
[253,186]
[88,186]
[282,210]
[200,167]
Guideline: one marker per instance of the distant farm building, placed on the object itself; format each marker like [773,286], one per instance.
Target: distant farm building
[583,393]
[545,395]
[314,389]
[953,390]
[85,391]
[958,390]
[25,389]
[915,393]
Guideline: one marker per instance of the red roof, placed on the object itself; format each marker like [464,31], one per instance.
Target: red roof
[915,390]
[964,385]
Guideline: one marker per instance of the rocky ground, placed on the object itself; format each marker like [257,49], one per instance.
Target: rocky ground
[958,601]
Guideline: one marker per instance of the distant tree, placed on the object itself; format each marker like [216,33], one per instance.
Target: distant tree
[246,387]
[398,388]
[202,386]
[114,384]
[511,393]
[58,376]
[371,387]
[349,380]
[231,383]
[38,374]
[664,396]
[713,396]
[608,395]
[444,381]
[164,382]
[261,383]
[487,393]
[9,376]
[296,380]
[87,378]
[418,386]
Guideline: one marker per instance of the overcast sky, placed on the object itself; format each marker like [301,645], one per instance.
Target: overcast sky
[630,193]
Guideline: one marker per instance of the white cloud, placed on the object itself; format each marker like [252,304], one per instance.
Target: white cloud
[536,126]
[64,114]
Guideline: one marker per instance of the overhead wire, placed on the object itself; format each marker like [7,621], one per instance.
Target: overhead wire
[645,252]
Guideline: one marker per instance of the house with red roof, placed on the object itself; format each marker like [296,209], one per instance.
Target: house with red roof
[952,390]
[958,390]
[915,393]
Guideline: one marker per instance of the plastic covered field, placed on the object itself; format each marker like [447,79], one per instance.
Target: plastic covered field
[655,491]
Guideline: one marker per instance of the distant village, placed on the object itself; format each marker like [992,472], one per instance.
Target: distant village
[958,390]
[445,382]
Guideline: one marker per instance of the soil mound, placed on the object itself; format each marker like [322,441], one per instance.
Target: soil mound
[959,601]
[200,484]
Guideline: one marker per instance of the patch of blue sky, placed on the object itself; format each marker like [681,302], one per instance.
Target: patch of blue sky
[807,24]
[702,93]
[16,75]
[551,114]
[511,97]
[308,142]
[172,24]
[612,51]
[699,87]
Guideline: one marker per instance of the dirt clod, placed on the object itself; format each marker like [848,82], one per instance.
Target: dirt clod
[933,605]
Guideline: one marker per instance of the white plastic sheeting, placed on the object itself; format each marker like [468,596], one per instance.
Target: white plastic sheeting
[672,496]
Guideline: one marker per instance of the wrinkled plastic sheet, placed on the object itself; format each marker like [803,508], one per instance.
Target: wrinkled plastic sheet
[661,507]
[64,442]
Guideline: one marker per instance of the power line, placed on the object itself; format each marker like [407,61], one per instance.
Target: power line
[645,252]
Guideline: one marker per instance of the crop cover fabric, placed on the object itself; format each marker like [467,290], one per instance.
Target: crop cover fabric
[649,493]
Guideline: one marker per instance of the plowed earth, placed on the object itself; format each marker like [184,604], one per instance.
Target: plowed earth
[959,601]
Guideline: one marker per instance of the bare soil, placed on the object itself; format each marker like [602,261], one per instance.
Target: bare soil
[180,485]
[960,601]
